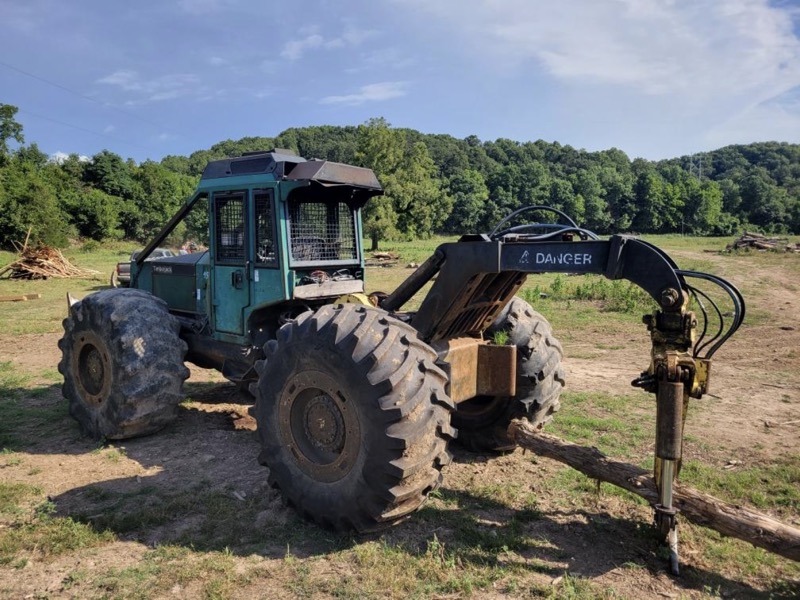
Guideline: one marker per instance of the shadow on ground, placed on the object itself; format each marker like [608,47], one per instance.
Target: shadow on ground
[198,484]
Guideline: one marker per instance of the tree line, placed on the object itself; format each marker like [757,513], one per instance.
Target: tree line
[433,184]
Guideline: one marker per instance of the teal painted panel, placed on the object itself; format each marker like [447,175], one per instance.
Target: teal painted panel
[179,291]
[231,297]
[268,286]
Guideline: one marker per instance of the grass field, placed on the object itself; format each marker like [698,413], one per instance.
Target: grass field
[188,514]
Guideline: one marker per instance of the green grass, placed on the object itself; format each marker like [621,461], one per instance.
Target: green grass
[24,424]
[13,496]
[610,296]
[434,571]
[417,251]
[35,531]
[774,486]
[216,519]
[167,569]
[620,426]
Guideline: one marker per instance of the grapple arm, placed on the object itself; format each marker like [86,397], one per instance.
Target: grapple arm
[477,276]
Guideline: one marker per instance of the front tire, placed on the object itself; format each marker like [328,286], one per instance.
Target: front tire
[353,417]
[122,362]
[483,422]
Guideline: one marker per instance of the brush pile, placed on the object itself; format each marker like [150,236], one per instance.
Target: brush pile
[42,262]
[756,241]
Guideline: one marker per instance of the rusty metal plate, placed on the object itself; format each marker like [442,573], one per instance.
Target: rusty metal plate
[477,368]
[497,370]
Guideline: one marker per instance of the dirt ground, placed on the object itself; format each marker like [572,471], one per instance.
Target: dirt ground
[751,416]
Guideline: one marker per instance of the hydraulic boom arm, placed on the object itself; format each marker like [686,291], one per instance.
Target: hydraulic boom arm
[477,276]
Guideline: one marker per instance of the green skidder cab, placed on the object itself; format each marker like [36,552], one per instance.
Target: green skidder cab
[284,238]
[357,399]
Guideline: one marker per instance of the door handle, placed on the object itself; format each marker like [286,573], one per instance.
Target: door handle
[237,279]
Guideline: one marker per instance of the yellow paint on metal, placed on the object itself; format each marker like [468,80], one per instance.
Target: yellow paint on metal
[357,298]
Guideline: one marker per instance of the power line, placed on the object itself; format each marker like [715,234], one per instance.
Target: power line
[79,95]
[79,128]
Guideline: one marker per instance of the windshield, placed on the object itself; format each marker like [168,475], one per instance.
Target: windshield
[322,232]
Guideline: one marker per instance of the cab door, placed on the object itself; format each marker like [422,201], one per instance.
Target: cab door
[231,263]
[268,281]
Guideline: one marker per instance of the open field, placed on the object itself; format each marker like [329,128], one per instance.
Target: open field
[187,513]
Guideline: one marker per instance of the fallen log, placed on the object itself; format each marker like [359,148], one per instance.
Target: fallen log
[731,520]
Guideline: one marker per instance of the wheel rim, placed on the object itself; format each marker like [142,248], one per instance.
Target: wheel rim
[319,426]
[92,364]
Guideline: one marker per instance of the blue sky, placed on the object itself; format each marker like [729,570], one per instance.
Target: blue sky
[655,78]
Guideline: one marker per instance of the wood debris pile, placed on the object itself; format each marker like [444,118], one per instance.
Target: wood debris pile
[42,262]
[757,241]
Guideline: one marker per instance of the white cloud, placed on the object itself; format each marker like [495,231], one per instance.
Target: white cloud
[354,35]
[374,92]
[351,36]
[59,157]
[108,129]
[701,47]
[127,80]
[217,61]
[295,49]
[165,87]
[231,94]
[719,63]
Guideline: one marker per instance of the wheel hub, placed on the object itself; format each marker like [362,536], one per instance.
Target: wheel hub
[319,426]
[92,364]
[324,424]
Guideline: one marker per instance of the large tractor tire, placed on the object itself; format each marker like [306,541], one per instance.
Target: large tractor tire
[483,421]
[122,362]
[353,417]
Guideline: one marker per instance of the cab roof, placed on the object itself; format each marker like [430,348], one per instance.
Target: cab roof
[280,164]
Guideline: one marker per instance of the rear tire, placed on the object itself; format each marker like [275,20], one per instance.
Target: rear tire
[483,421]
[353,417]
[122,362]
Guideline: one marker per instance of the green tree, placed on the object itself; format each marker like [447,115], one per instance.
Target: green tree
[414,202]
[380,148]
[157,195]
[28,202]
[95,214]
[419,198]
[587,186]
[618,195]
[703,207]
[563,197]
[32,156]
[110,174]
[469,192]
[10,129]
[766,204]
[651,202]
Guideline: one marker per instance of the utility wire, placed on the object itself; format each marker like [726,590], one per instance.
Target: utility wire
[111,137]
[79,95]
